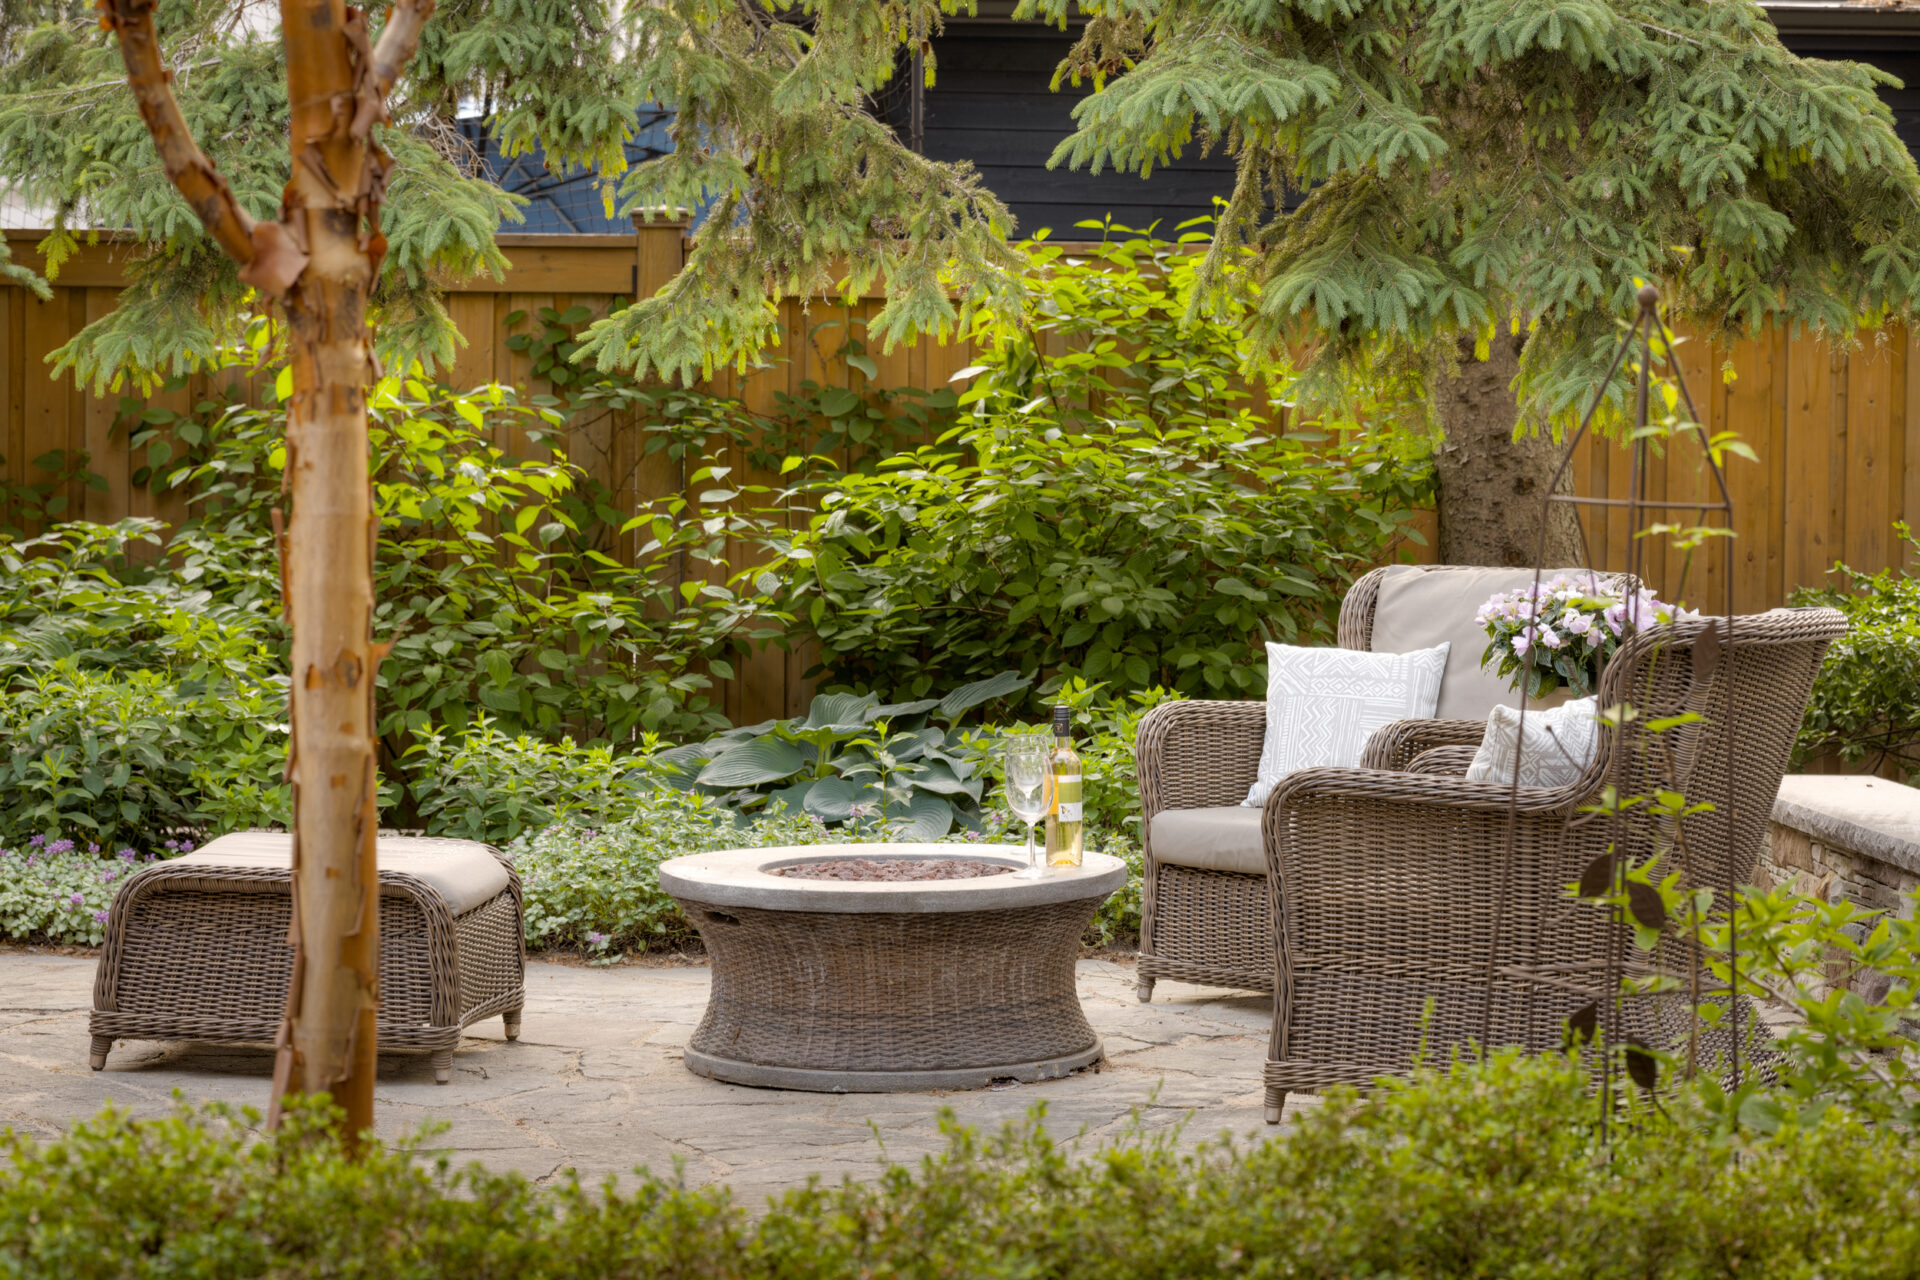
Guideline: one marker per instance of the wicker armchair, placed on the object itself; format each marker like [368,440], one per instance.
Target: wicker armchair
[1394,890]
[1205,916]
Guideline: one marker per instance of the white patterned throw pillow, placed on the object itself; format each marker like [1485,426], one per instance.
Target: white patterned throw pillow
[1323,705]
[1560,744]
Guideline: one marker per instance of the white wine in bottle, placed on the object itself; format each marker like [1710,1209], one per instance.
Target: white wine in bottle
[1063,824]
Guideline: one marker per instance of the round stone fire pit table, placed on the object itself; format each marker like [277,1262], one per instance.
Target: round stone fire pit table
[862,986]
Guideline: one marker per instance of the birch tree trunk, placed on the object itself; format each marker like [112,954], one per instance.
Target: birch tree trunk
[319,260]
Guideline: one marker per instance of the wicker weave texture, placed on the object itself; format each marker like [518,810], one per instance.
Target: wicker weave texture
[1397,888]
[1198,925]
[1195,755]
[201,953]
[882,991]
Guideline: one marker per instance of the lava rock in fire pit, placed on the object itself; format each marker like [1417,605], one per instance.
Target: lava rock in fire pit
[895,869]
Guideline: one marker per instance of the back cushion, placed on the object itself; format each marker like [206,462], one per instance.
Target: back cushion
[1418,609]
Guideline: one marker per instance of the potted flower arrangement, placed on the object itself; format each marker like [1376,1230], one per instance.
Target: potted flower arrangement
[1561,630]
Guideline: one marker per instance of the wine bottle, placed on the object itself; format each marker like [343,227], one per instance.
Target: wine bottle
[1064,846]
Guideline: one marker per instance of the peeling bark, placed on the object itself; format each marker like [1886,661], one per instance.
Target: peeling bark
[320,260]
[1491,486]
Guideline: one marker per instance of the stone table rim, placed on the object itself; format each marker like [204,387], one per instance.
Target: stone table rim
[740,878]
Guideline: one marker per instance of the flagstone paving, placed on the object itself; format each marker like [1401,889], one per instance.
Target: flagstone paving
[596,1080]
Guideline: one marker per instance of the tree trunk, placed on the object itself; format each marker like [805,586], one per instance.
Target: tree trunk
[320,260]
[1492,486]
[329,1043]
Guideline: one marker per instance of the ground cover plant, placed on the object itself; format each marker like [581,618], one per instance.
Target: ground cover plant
[1488,1168]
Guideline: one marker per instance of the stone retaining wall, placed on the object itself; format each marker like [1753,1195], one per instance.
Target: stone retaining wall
[1835,837]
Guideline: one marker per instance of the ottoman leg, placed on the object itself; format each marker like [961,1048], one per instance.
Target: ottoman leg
[1276,1099]
[442,1065]
[97,1058]
[512,1018]
[1143,990]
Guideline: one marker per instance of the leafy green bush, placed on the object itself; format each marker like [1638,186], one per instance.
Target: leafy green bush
[1491,1168]
[1866,700]
[134,705]
[598,887]
[493,577]
[1117,503]
[486,785]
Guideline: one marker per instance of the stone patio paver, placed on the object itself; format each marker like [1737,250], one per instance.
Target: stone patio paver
[596,1081]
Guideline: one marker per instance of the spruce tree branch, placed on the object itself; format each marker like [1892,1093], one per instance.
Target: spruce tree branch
[205,190]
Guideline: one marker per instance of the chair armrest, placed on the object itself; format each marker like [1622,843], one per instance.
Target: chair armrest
[1394,746]
[1443,760]
[1197,755]
[1417,790]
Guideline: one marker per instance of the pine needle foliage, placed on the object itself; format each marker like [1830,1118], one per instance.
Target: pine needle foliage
[1468,166]
[1477,164]
[808,193]
[72,143]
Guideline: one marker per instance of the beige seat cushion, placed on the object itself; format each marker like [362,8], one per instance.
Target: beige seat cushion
[1417,609]
[464,873]
[1222,839]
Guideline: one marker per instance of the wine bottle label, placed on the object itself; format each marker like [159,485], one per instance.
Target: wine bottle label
[1062,779]
[1069,811]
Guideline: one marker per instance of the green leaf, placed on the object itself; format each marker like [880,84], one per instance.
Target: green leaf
[924,817]
[969,696]
[841,712]
[754,763]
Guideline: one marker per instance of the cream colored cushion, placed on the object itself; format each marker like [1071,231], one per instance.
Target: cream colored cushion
[1223,839]
[1418,609]
[1560,743]
[1323,705]
[464,873]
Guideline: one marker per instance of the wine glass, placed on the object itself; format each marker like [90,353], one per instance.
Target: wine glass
[1029,788]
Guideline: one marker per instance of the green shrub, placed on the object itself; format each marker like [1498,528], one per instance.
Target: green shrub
[486,785]
[493,580]
[134,705]
[1866,700]
[1489,1169]
[1117,503]
[599,886]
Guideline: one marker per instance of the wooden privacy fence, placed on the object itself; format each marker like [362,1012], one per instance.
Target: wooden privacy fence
[1837,432]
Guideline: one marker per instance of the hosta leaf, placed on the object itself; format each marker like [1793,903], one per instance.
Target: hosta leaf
[968,696]
[925,816]
[842,712]
[753,764]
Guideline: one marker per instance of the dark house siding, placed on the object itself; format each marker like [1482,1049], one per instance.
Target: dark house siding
[990,104]
[1885,38]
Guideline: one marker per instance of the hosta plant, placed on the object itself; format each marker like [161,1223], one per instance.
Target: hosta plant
[852,756]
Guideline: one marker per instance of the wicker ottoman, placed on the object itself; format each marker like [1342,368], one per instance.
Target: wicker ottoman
[196,947]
